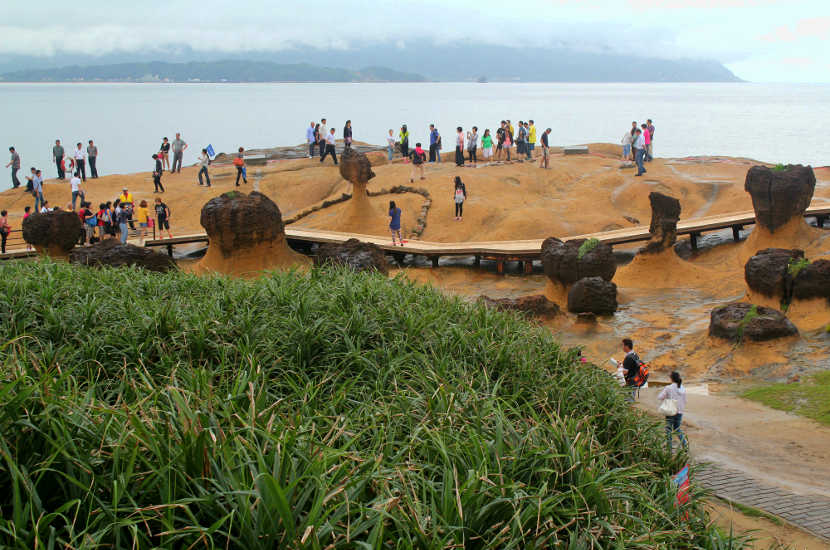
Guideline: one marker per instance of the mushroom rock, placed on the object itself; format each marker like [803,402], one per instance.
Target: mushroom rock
[246,234]
[813,281]
[355,167]
[665,213]
[563,265]
[778,196]
[593,295]
[357,170]
[537,305]
[353,253]
[53,233]
[741,320]
[114,254]
[767,271]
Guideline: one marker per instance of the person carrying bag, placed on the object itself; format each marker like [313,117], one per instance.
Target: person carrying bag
[672,405]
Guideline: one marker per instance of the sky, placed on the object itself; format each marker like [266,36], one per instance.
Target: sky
[759,40]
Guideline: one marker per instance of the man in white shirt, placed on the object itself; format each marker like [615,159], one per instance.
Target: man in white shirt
[75,182]
[310,139]
[639,151]
[329,146]
[80,161]
[324,136]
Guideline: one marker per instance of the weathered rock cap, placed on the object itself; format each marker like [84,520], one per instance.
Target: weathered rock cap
[742,321]
[55,232]
[235,221]
[767,271]
[355,166]
[779,195]
[593,295]
[114,254]
[563,264]
[537,305]
[813,281]
[665,213]
[356,254]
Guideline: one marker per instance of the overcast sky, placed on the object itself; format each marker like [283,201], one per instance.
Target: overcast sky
[759,40]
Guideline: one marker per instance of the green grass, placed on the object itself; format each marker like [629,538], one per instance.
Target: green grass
[810,397]
[329,410]
[795,266]
[779,167]
[586,247]
[751,314]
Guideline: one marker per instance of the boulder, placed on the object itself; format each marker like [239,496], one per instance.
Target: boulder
[813,281]
[246,235]
[355,167]
[665,213]
[780,195]
[357,255]
[114,254]
[737,321]
[537,305]
[766,272]
[358,215]
[563,264]
[53,233]
[593,295]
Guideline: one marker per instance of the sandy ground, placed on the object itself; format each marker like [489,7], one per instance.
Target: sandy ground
[766,534]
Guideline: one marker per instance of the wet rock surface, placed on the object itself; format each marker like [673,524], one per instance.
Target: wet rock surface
[593,295]
[665,213]
[356,254]
[767,271]
[537,305]
[54,233]
[742,321]
[562,262]
[355,166]
[235,221]
[780,195]
[813,281]
[114,254]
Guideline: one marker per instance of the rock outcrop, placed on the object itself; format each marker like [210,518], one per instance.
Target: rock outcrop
[114,254]
[355,254]
[593,295]
[742,321]
[537,305]
[778,196]
[813,281]
[665,213]
[563,265]
[358,212]
[767,271]
[355,167]
[246,235]
[53,233]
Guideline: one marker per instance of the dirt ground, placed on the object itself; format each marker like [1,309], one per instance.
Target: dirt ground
[766,533]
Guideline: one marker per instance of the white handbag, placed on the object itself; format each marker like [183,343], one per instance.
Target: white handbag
[668,407]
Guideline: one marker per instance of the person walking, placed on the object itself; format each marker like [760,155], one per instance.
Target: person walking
[37,189]
[179,147]
[330,149]
[310,139]
[323,133]
[390,145]
[57,158]
[403,139]
[487,145]
[75,185]
[631,367]
[14,162]
[459,195]
[164,152]
[5,229]
[531,139]
[347,134]
[627,140]
[459,146]
[80,161]
[650,146]
[122,217]
[419,157]
[92,155]
[239,162]
[157,171]
[544,161]
[677,393]
[204,162]
[639,151]
[395,221]
[162,218]
[433,142]
[472,145]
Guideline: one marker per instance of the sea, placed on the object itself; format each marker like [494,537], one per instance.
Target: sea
[777,123]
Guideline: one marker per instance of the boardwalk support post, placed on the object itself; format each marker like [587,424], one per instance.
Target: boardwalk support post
[820,221]
[693,238]
[170,250]
[434,261]
[736,232]
[478,261]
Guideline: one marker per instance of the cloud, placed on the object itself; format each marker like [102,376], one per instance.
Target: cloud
[814,27]
[701,4]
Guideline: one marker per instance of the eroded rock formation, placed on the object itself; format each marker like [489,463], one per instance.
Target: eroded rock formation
[665,213]
[742,321]
[246,235]
[356,254]
[593,295]
[114,254]
[778,196]
[355,167]
[812,281]
[53,233]
[537,305]
[358,212]
[767,271]
[562,262]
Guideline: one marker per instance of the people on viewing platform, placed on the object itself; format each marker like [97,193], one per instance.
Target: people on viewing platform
[57,158]
[14,163]
[179,146]
[92,157]
[80,161]
[311,138]
[639,151]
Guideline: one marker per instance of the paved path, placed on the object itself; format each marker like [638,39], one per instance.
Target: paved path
[811,513]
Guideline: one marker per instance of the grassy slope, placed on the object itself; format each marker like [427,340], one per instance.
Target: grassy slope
[810,397]
[326,411]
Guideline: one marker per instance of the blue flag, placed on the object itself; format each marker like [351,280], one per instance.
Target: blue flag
[210,151]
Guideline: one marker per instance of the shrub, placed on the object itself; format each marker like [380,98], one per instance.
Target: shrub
[587,246]
[795,266]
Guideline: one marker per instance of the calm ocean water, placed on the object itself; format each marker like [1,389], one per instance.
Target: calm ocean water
[774,123]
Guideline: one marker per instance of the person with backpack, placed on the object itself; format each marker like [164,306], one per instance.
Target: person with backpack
[395,220]
[673,404]
[419,157]
[459,195]
[239,162]
[632,368]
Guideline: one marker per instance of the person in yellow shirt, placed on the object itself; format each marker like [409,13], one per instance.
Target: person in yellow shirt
[126,197]
[531,139]
[126,200]
[142,215]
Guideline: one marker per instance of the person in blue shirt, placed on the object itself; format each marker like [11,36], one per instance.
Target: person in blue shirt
[311,139]
[433,142]
[395,222]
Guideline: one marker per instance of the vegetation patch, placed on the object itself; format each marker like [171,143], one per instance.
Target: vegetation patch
[326,410]
[795,266]
[586,247]
[809,397]
[750,315]
[779,167]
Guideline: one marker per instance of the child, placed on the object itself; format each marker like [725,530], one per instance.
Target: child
[395,222]
[142,215]
[163,218]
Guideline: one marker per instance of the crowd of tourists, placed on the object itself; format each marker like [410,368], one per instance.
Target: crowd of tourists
[638,145]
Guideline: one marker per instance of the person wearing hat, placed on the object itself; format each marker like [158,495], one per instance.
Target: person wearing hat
[127,202]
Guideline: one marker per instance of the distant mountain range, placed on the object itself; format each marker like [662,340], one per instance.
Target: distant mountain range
[409,62]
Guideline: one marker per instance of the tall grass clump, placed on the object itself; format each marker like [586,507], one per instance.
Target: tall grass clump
[327,410]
